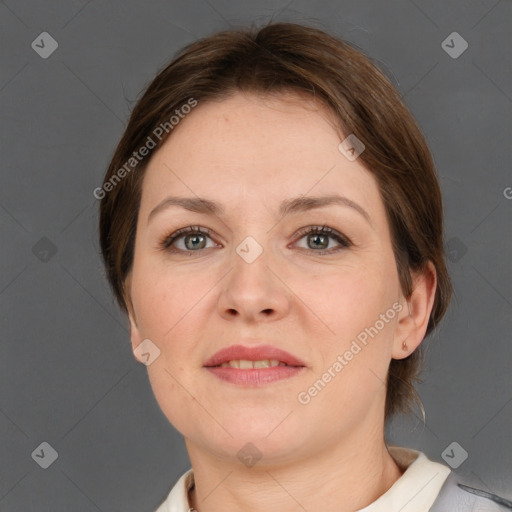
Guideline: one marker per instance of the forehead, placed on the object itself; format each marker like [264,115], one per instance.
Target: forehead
[257,150]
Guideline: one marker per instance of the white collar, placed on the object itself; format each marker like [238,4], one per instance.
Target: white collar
[415,491]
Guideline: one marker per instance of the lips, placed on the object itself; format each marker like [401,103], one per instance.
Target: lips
[259,353]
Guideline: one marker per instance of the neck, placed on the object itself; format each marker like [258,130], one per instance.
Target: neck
[341,478]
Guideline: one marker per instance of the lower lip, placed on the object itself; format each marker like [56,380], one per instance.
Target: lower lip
[255,376]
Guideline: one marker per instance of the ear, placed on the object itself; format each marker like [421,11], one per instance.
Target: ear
[135,335]
[415,314]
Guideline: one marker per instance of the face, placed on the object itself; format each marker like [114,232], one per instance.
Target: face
[260,271]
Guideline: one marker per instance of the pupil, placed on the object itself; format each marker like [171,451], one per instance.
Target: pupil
[194,244]
[317,237]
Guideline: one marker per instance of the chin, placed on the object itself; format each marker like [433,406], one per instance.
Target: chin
[252,450]
[269,436]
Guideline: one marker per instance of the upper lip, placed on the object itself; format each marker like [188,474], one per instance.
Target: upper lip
[256,353]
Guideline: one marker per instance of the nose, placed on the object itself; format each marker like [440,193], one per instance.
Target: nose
[253,290]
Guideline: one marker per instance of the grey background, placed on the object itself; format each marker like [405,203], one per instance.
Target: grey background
[67,374]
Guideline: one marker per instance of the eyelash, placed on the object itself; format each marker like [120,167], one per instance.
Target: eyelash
[168,240]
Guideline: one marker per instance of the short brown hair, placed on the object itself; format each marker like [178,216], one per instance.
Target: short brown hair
[286,57]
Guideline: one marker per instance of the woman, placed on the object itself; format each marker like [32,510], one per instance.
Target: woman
[271,222]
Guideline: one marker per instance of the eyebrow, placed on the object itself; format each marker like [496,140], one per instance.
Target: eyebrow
[287,207]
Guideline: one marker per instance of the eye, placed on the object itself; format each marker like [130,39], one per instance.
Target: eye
[318,239]
[195,238]
[192,238]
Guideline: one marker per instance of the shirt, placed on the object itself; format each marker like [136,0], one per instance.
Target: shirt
[417,490]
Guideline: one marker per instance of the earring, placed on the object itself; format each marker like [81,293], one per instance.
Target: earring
[404,346]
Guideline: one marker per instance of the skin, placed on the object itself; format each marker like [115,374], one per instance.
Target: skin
[249,153]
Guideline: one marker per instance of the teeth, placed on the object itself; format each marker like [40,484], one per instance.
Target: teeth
[244,364]
[261,364]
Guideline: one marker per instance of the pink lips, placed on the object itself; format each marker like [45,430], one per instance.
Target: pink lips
[252,354]
[253,376]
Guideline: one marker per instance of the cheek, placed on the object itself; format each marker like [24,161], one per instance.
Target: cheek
[163,299]
[353,362]
[176,395]
[350,302]
[346,300]
[167,306]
